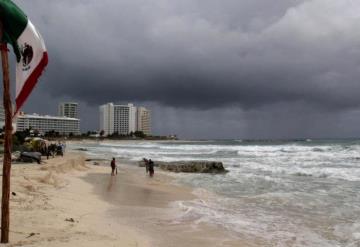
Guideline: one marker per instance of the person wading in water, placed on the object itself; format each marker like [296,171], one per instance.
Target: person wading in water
[113,167]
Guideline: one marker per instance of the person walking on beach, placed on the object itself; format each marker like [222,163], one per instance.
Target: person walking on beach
[113,167]
[151,167]
[63,146]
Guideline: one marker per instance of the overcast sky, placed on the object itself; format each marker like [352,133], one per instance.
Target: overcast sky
[206,69]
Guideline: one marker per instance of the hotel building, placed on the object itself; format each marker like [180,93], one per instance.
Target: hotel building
[62,125]
[123,119]
[107,118]
[68,109]
[143,120]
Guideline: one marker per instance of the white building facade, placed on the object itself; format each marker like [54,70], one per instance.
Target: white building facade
[107,118]
[120,119]
[62,125]
[124,119]
[143,120]
[68,109]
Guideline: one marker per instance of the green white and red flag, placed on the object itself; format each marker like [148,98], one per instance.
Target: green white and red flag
[28,46]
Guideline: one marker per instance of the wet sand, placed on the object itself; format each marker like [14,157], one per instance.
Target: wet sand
[145,204]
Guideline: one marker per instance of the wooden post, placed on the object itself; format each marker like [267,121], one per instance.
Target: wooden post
[5,212]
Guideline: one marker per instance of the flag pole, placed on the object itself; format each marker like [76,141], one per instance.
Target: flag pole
[5,212]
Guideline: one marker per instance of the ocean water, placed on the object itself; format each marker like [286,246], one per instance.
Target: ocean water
[277,193]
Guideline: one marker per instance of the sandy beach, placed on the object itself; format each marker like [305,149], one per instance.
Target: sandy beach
[54,206]
[68,202]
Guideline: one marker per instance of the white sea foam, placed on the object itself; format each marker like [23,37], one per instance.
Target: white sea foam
[288,194]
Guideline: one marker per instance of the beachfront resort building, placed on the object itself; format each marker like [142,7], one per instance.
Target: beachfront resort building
[68,109]
[120,119]
[143,120]
[123,119]
[107,118]
[43,124]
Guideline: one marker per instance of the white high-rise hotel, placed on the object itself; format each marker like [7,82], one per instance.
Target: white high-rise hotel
[123,119]
[68,109]
[143,120]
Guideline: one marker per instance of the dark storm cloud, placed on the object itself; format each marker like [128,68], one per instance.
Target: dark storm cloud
[204,56]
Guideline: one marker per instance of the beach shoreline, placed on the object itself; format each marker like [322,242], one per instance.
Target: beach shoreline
[67,201]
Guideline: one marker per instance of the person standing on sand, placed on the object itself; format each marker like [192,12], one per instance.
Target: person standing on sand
[63,147]
[151,167]
[113,167]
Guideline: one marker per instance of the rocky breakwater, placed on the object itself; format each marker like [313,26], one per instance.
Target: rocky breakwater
[190,166]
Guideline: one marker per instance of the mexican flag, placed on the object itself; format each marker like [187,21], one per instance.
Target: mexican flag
[28,46]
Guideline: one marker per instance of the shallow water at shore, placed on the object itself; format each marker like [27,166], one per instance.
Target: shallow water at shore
[143,204]
[276,193]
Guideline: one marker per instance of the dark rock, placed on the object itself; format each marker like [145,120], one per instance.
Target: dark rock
[190,166]
[96,159]
[70,220]
[30,157]
[32,234]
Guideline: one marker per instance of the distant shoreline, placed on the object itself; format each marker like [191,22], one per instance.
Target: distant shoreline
[79,138]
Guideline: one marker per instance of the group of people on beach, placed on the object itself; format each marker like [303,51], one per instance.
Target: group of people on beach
[51,149]
[149,166]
